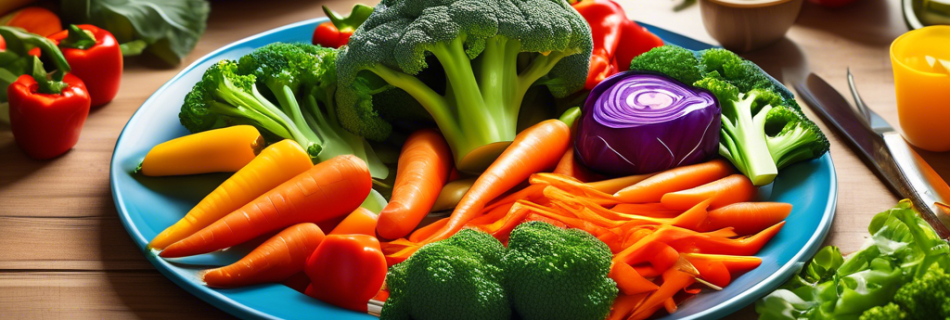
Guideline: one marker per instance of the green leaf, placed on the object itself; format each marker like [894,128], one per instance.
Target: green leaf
[133,48]
[170,28]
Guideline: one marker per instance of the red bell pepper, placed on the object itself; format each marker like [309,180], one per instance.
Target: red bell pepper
[336,32]
[617,40]
[3,44]
[46,115]
[346,270]
[95,57]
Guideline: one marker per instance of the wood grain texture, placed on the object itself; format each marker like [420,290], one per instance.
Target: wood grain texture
[64,253]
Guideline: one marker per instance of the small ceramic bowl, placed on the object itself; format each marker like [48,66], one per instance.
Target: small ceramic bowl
[746,25]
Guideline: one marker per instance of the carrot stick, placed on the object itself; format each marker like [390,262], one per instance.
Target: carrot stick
[732,189]
[652,189]
[428,230]
[423,169]
[624,304]
[616,184]
[653,210]
[220,150]
[277,163]
[522,194]
[575,187]
[747,217]
[329,189]
[277,259]
[735,264]
[728,232]
[690,241]
[360,221]
[673,282]
[629,281]
[569,166]
[534,149]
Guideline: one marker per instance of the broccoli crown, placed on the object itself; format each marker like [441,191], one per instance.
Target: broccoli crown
[674,61]
[927,297]
[456,278]
[552,273]
[280,64]
[478,45]
[742,73]
[792,137]
[888,312]
[197,113]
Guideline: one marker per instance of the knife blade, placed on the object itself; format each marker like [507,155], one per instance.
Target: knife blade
[901,168]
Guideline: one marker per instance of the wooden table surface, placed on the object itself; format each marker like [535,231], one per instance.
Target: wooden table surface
[64,253]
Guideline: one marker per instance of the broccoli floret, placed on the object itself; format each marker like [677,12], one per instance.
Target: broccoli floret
[302,79]
[792,137]
[477,44]
[742,140]
[223,97]
[552,273]
[888,312]
[457,278]
[674,61]
[927,297]
[742,73]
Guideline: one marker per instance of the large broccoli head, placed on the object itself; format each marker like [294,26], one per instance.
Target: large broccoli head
[457,278]
[553,273]
[491,52]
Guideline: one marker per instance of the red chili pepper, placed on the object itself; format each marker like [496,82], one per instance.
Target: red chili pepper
[95,57]
[47,115]
[616,39]
[336,32]
[346,270]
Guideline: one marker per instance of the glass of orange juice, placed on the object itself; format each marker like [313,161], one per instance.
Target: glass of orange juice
[921,63]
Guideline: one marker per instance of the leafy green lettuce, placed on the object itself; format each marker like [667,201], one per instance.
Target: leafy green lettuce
[902,248]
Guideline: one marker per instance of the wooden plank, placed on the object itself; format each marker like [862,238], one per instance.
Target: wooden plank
[90,243]
[98,295]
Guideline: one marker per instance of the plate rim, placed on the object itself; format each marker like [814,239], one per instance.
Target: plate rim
[225,303]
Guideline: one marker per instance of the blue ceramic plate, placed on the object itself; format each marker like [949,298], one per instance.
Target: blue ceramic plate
[149,205]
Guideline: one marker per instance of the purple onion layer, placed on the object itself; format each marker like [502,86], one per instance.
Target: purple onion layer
[636,123]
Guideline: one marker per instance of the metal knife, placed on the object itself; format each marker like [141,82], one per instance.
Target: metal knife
[882,149]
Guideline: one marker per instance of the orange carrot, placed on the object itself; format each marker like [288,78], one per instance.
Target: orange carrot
[616,184]
[276,260]
[747,217]
[653,210]
[732,189]
[624,304]
[534,149]
[428,230]
[329,189]
[629,281]
[569,166]
[360,221]
[278,163]
[423,169]
[673,282]
[652,189]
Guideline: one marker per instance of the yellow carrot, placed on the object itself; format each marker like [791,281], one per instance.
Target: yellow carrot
[220,150]
[276,164]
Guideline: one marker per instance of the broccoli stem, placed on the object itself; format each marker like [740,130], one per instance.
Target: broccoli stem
[785,148]
[339,141]
[483,96]
[747,138]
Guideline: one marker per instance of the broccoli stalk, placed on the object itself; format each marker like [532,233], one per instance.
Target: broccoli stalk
[301,78]
[743,138]
[478,45]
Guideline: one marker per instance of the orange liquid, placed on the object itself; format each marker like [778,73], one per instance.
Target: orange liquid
[923,91]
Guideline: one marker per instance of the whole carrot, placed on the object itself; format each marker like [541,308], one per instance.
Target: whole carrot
[732,189]
[423,169]
[275,260]
[653,188]
[277,163]
[747,217]
[220,150]
[329,189]
[534,149]
[360,221]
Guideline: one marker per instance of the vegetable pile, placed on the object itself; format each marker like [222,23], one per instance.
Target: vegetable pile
[900,274]
[763,129]
[615,210]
